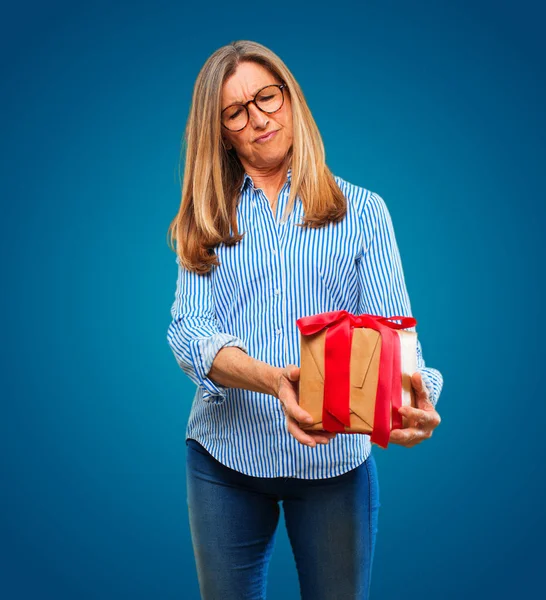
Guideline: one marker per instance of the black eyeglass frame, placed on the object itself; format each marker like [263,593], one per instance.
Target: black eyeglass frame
[281,86]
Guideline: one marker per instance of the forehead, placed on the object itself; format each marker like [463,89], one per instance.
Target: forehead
[245,82]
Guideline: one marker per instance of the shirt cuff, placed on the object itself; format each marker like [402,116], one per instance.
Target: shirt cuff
[203,352]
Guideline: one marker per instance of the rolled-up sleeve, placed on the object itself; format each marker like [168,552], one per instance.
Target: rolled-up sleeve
[381,279]
[194,334]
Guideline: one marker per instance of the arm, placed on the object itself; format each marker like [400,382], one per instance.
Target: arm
[233,368]
[203,351]
[381,280]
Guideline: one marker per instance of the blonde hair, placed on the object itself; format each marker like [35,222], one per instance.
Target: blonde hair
[213,175]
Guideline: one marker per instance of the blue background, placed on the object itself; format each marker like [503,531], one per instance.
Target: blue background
[437,106]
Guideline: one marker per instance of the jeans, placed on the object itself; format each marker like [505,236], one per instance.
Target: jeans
[331,525]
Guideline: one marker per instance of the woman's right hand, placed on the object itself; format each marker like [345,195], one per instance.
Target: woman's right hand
[287,391]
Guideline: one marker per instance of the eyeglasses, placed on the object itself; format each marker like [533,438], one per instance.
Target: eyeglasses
[268,99]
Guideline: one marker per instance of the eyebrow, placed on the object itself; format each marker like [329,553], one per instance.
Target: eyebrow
[243,101]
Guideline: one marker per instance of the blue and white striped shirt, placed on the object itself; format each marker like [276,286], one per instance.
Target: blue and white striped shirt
[275,275]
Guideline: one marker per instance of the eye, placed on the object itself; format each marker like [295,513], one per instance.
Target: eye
[235,114]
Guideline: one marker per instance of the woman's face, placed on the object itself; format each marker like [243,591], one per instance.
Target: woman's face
[241,87]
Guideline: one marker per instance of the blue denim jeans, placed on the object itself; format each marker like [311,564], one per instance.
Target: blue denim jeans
[331,525]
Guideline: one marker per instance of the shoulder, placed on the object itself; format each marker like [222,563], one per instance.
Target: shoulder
[369,205]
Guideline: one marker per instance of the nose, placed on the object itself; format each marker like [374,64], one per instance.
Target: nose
[257,118]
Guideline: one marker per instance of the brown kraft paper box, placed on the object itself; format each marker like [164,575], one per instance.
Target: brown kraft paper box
[364,369]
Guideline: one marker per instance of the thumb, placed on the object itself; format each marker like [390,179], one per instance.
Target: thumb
[293,372]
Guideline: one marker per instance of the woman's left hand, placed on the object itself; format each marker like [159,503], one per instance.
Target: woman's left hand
[421,421]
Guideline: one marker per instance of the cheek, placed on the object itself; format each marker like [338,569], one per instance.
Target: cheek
[287,123]
[244,146]
[288,128]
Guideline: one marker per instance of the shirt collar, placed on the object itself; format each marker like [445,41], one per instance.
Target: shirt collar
[247,180]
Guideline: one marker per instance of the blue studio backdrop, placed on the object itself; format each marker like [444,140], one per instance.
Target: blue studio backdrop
[437,106]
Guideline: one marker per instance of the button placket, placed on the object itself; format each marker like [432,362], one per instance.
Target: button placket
[280,278]
[276,306]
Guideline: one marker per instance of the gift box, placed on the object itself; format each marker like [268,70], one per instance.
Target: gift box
[355,372]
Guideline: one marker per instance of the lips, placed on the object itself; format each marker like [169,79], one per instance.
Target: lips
[266,136]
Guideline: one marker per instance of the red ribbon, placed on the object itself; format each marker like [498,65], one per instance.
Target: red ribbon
[337,365]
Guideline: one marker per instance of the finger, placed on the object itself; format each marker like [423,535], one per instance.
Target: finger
[406,443]
[293,372]
[326,436]
[421,416]
[406,436]
[421,390]
[310,429]
[319,435]
[329,434]
[320,438]
[417,437]
[293,409]
[298,433]
[417,381]
[423,401]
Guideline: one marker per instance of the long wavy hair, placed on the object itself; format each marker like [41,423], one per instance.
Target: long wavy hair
[213,175]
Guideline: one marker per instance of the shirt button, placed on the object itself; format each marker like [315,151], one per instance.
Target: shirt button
[274,252]
[279,331]
[277,291]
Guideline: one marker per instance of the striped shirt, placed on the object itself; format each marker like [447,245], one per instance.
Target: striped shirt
[275,275]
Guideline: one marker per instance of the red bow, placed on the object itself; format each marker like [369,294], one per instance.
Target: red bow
[337,360]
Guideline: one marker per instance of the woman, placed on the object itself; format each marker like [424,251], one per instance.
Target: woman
[266,234]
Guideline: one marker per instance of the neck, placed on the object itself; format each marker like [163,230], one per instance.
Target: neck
[269,177]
